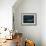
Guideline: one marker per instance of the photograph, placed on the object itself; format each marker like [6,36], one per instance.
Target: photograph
[22,22]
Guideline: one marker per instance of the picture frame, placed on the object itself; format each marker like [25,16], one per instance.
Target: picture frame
[29,19]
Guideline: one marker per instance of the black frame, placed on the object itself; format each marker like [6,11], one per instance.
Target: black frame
[29,19]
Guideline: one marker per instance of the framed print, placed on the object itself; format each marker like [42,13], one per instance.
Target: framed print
[29,19]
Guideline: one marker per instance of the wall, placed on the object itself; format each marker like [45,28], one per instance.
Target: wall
[6,13]
[30,32]
[43,22]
